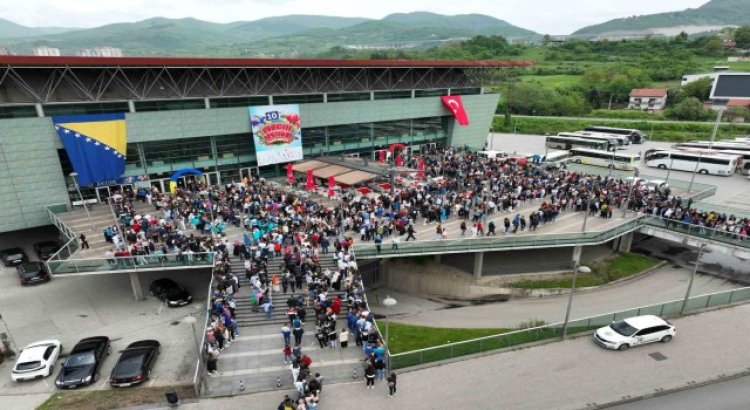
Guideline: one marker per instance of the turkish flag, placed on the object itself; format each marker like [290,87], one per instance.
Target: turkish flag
[290,173]
[454,103]
[310,184]
[420,174]
[331,184]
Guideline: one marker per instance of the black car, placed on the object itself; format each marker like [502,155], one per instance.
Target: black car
[46,249]
[83,363]
[135,363]
[13,256]
[170,292]
[32,273]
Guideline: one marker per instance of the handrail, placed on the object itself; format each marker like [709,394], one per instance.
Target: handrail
[202,346]
[130,263]
[65,230]
[695,230]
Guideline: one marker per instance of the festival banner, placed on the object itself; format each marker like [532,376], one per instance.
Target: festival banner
[277,133]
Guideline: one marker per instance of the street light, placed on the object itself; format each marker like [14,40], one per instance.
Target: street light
[83,202]
[692,279]
[576,268]
[388,302]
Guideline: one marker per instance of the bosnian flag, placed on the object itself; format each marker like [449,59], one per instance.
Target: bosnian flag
[454,103]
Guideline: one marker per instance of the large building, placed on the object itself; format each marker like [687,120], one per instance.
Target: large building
[193,113]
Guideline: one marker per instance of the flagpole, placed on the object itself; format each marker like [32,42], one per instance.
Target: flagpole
[83,202]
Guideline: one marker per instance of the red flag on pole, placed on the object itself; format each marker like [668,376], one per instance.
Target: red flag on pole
[382,156]
[310,184]
[331,184]
[290,173]
[420,174]
[456,105]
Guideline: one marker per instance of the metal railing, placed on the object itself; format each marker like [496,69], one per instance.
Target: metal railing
[503,242]
[130,263]
[699,231]
[71,244]
[667,310]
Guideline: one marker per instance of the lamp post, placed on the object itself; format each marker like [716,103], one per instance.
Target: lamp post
[74,175]
[388,302]
[692,279]
[576,266]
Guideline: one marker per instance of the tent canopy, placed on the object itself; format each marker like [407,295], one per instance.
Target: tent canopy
[185,171]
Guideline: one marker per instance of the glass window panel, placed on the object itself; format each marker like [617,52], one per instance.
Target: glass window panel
[348,97]
[431,93]
[18,111]
[298,99]
[238,101]
[466,91]
[169,105]
[89,108]
[389,95]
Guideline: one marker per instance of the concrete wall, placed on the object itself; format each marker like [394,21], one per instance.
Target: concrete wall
[30,173]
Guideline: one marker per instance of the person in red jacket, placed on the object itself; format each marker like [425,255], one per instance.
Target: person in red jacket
[336,305]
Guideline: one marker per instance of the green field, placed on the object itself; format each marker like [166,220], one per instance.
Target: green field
[553,80]
[404,338]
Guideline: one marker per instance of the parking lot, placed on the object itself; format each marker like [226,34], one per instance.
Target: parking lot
[72,308]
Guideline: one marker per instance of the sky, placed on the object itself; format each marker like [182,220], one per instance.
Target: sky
[542,16]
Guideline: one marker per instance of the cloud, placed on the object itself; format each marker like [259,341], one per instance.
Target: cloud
[544,16]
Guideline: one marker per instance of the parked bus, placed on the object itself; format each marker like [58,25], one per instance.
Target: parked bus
[568,143]
[635,136]
[611,140]
[606,159]
[622,141]
[719,146]
[556,159]
[713,164]
[743,157]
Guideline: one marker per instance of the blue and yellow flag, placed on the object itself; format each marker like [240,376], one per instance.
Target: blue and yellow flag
[96,145]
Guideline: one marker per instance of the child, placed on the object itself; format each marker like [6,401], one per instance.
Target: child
[287,354]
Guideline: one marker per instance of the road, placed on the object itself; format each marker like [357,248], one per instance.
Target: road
[729,395]
[664,284]
[595,119]
[728,187]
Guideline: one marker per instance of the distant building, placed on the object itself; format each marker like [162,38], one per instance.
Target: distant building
[651,99]
[47,51]
[100,52]
[689,78]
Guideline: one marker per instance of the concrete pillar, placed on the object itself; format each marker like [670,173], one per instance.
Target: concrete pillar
[135,283]
[577,250]
[131,107]
[325,97]
[372,95]
[478,265]
[615,244]
[207,103]
[270,100]
[625,242]
[413,93]
[437,258]
[39,110]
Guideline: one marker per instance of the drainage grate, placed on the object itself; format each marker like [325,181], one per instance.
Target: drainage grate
[658,356]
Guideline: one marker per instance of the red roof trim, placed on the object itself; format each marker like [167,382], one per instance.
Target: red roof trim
[37,61]
[648,92]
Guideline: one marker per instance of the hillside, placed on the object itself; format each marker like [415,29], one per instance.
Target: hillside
[282,36]
[9,29]
[714,13]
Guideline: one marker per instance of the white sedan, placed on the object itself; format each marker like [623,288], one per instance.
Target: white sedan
[36,360]
[634,331]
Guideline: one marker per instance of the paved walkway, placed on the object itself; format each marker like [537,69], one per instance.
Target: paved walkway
[574,374]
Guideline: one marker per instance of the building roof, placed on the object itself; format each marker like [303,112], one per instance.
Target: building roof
[648,92]
[45,61]
[738,103]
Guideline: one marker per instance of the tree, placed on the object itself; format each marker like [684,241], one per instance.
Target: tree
[742,37]
[690,109]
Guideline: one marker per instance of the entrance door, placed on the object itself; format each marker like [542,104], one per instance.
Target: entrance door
[159,184]
[103,194]
[248,173]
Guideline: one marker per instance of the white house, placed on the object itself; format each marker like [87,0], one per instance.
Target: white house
[651,99]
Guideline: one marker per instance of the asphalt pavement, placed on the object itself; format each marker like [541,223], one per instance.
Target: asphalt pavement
[728,395]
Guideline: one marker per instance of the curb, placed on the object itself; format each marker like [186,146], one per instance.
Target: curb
[661,393]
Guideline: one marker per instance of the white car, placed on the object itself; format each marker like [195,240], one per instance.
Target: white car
[36,360]
[634,331]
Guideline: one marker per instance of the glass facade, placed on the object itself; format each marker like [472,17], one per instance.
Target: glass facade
[298,99]
[171,155]
[169,105]
[51,110]
[18,111]
[348,97]
[238,102]
[390,95]
[431,93]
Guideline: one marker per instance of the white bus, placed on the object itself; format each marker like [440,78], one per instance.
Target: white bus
[606,159]
[555,159]
[622,141]
[719,146]
[743,157]
[568,143]
[635,136]
[612,141]
[690,161]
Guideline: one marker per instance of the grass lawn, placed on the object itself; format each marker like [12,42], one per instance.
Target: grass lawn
[113,398]
[621,266]
[404,338]
[559,81]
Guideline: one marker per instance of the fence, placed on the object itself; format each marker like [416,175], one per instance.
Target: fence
[130,263]
[669,309]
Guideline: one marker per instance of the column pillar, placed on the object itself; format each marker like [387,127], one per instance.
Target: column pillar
[577,250]
[615,244]
[135,283]
[39,110]
[625,242]
[131,106]
[325,97]
[207,103]
[478,265]
[437,258]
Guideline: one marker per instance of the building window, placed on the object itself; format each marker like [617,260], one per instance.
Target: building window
[238,102]
[172,155]
[18,111]
[133,158]
[51,110]
[298,99]
[169,105]
[390,95]
[431,93]
[466,91]
[348,97]
[235,148]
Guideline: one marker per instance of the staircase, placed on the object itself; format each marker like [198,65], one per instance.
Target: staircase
[244,310]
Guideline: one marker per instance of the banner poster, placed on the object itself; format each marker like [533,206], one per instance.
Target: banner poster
[277,133]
